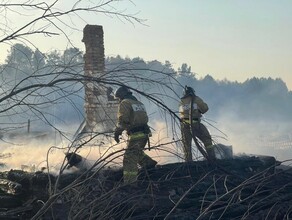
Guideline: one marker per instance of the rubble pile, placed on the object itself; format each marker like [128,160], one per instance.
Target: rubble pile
[240,188]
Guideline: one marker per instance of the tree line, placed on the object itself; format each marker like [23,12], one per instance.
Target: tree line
[254,99]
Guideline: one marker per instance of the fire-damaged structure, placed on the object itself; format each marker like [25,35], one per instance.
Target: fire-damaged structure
[100,106]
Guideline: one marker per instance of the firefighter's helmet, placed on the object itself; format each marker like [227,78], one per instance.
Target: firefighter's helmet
[122,92]
[188,91]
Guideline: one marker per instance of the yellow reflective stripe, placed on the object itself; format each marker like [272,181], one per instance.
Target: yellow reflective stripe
[188,121]
[130,176]
[209,146]
[137,135]
[130,173]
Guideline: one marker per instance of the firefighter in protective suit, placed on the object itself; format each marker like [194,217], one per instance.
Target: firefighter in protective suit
[133,118]
[191,109]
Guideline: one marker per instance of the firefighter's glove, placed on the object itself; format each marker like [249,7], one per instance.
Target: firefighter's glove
[117,134]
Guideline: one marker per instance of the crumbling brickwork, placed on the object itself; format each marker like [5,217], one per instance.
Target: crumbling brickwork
[100,108]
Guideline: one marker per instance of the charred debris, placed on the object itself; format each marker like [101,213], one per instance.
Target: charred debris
[245,187]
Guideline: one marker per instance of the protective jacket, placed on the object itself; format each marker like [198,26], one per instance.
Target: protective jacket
[131,114]
[133,118]
[199,107]
[191,109]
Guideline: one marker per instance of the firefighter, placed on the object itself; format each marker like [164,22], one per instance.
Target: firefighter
[191,109]
[133,118]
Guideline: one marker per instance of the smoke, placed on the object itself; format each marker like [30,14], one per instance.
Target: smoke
[229,122]
[33,154]
[38,154]
[165,144]
[261,136]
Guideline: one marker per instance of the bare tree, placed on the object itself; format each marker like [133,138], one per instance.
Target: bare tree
[49,18]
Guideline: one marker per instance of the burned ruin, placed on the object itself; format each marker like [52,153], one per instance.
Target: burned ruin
[100,106]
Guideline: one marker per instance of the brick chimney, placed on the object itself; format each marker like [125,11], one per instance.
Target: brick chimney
[100,108]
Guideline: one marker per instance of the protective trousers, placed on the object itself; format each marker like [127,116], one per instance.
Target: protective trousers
[135,155]
[200,131]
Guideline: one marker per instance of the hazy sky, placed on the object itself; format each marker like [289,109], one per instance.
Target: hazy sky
[232,39]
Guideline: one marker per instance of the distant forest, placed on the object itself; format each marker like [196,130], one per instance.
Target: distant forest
[256,99]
